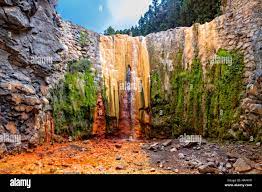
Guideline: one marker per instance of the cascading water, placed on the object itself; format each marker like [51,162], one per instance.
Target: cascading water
[126,73]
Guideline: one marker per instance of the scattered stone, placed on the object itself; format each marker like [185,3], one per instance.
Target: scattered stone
[228,166]
[204,169]
[139,164]
[101,168]
[181,156]
[118,158]
[211,164]
[214,154]
[241,165]
[85,142]
[167,143]
[258,144]
[232,160]
[30,150]
[118,146]
[120,167]
[135,151]
[203,142]
[153,146]
[161,165]
[173,150]
[210,159]
[258,167]
[176,171]
[188,144]
[232,155]
[152,170]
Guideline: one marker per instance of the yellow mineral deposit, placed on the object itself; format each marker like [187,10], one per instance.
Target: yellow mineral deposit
[126,73]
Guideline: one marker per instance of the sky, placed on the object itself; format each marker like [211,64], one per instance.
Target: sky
[97,15]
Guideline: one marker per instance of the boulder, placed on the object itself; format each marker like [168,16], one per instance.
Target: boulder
[167,143]
[242,165]
[204,169]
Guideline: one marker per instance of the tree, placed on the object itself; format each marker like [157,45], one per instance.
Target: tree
[110,31]
[166,14]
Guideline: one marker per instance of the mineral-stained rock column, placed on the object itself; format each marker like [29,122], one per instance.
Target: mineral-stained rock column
[99,126]
[126,72]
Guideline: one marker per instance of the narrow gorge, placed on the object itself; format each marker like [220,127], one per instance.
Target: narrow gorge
[61,81]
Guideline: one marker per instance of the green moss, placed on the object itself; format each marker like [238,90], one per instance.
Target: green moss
[208,106]
[73,101]
[188,91]
[224,99]
[156,88]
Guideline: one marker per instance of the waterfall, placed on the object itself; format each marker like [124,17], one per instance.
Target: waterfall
[126,73]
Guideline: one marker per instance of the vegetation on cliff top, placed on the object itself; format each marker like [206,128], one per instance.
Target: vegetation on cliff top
[166,14]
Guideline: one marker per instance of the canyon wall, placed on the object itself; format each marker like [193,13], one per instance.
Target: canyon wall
[29,56]
[188,90]
[189,58]
[35,48]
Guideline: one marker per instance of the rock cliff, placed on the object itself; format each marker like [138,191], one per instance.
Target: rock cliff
[185,86]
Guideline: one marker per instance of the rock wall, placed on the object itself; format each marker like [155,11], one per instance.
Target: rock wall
[35,47]
[240,30]
[29,53]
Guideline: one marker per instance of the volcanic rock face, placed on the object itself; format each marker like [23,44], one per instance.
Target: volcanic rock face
[29,51]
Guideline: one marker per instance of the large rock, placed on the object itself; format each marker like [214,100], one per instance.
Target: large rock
[242,165]
[204,169]
[16,18]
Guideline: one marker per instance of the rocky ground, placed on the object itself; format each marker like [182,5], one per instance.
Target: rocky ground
[209,157]
[135,157]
